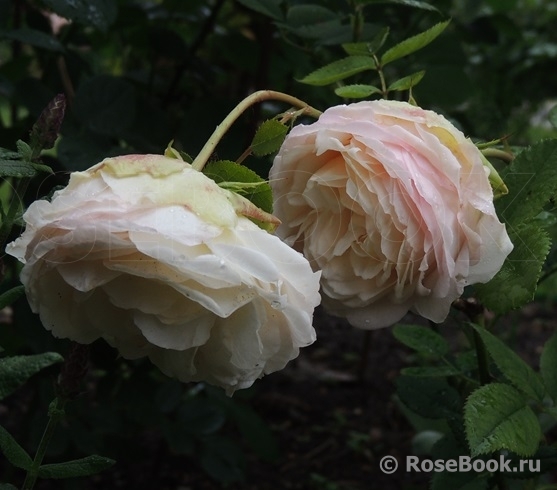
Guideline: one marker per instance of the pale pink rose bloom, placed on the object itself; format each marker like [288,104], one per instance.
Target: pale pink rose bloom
[393,204]
[149,254]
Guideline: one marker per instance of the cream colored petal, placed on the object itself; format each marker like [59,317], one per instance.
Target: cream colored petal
[192,331]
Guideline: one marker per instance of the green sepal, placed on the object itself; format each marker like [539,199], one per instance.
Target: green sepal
[495,180]
[171,152]
[246,182]
[250,195]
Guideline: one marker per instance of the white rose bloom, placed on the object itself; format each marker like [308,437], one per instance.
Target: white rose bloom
[393,204]
[150,254]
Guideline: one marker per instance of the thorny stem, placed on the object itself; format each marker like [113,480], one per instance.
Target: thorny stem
[229,120]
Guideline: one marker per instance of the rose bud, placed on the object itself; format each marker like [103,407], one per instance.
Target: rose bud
[393,204]
[151,255]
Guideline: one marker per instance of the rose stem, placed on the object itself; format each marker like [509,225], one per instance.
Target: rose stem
[73,371]
[55,414]
[252,99]
[481,353]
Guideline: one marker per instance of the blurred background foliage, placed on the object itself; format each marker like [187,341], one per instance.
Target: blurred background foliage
[138,74]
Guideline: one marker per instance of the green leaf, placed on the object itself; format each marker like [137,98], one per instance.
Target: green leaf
[367,48]
[268,138]
[270,8]
[467,361]
[16,370]
[339,70]
[201,416]
[9,154]
[515,284]
[8,297]
[98,13]
[255,431]
[16,168]
[450,448]
[431,398]
[548,367]
[545,456]
[105,104]
[413,43]
[14,453]
[532,182]
[224,172]
[520,374]
[222,459]
[498,417]
[408,3]
[325,33]
[356,91]
[42,168]
[24,150]
[459,481]
[406,83]
[90,465]
[7,486]
[431,371]
[35,38]
[308,14]
[421,339]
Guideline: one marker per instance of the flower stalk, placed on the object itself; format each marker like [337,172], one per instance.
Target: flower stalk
[255,98]
[72,373]
[55,414]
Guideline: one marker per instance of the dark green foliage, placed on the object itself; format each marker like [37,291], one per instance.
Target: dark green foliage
[139,74]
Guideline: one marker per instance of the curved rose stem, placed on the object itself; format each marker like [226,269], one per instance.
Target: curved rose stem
[255,98]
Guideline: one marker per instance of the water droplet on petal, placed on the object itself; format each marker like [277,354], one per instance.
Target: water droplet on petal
[277,305]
